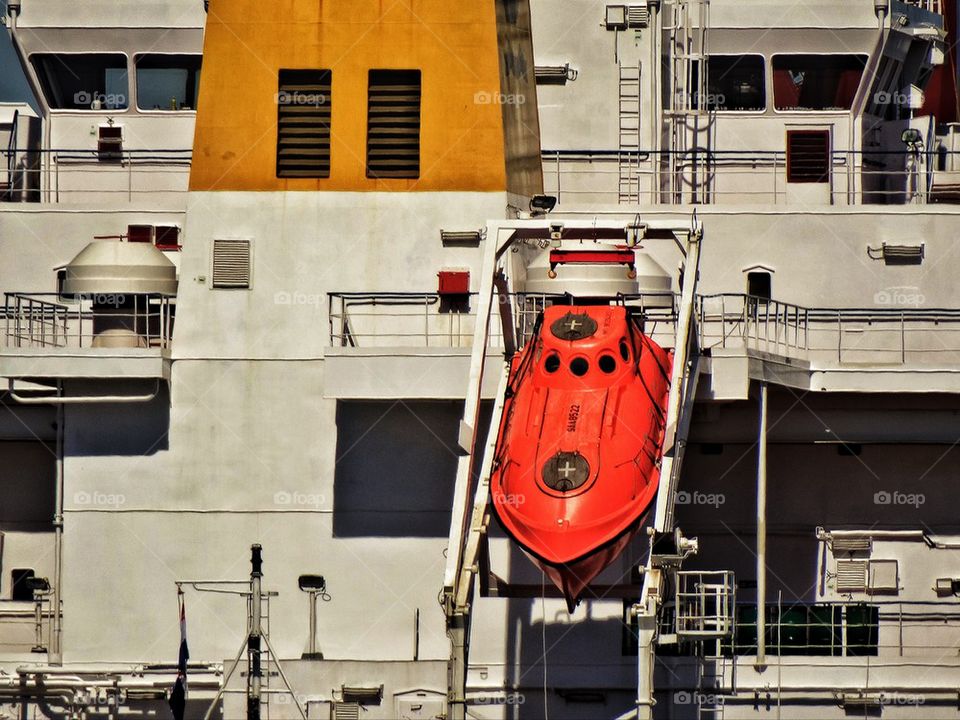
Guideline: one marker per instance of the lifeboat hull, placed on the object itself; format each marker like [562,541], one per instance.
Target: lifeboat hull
[578,454]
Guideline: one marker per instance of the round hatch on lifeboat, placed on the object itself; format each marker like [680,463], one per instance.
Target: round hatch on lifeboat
[110,266]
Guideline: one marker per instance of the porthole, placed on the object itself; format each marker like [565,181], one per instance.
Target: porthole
[552,363]
[624,351]
[579,366]
[607,363]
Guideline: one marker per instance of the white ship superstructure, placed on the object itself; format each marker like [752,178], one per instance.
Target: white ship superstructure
[264,265]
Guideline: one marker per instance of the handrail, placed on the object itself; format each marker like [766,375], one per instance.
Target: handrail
[12,156]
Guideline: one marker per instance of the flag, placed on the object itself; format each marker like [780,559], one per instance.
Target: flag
[178,696]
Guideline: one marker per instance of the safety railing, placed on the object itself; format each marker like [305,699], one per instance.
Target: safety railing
[851,177]
[404,319]
[844,335]
[72,175]
[95,320]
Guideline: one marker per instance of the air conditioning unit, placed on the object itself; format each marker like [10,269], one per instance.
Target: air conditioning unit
[874,577]
[110,143]
[638,16]
[621,17]
[616,17]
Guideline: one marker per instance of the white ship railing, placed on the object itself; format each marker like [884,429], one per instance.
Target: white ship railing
[404,319]
[881,335]
[48,320]
[76,175]
[748,177]
[874,335]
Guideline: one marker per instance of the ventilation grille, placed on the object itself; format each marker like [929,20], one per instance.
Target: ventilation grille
[841,545]
[638,16]
[851,576]
[231,264]
[808,156]
[393,124]
[346,711]
[303,124]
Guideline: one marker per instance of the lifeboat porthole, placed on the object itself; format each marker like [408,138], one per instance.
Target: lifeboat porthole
[607,363]
[624,351]
[579,366]
[552,363]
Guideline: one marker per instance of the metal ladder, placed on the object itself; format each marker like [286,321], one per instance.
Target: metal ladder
[629,117]
[688,115]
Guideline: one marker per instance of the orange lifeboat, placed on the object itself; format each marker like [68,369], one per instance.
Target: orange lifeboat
[577,464]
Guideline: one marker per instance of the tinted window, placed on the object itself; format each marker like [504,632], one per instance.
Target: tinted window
[83,82]
[816,82]
[168,82]
[736,82]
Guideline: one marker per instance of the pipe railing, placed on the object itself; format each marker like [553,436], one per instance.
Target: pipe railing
[407,319]
[853,177]
[97,320]
[65,174]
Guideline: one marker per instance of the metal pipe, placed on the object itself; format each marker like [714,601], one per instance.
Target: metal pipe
[761,661]
[91,399]
[56,651]
[256,633]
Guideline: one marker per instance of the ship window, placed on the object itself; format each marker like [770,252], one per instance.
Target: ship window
[552,363]
[20,589]
[84,81]
[624,351]
[303,124]
[607,363]
[168,82]
[735,82]
[579,366]
[808,156]
[393,124]
[816,82]
[760,284]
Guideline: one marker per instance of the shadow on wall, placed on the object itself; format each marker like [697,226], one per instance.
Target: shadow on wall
[27,476]
[396,467]
[124,429]
[575,688]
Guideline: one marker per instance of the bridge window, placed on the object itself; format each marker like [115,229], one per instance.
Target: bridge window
[168,82]
[393,124]
[816,82]
[735,82]
[88,81]
[303,124]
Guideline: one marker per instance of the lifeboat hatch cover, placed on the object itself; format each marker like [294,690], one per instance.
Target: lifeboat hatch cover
[566,471]
[573,326]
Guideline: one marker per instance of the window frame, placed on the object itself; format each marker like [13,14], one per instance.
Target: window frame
[767,65]
[136,89]
[86,111]
[807,113]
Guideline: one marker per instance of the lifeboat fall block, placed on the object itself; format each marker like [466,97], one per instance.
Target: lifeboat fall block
[577,463]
